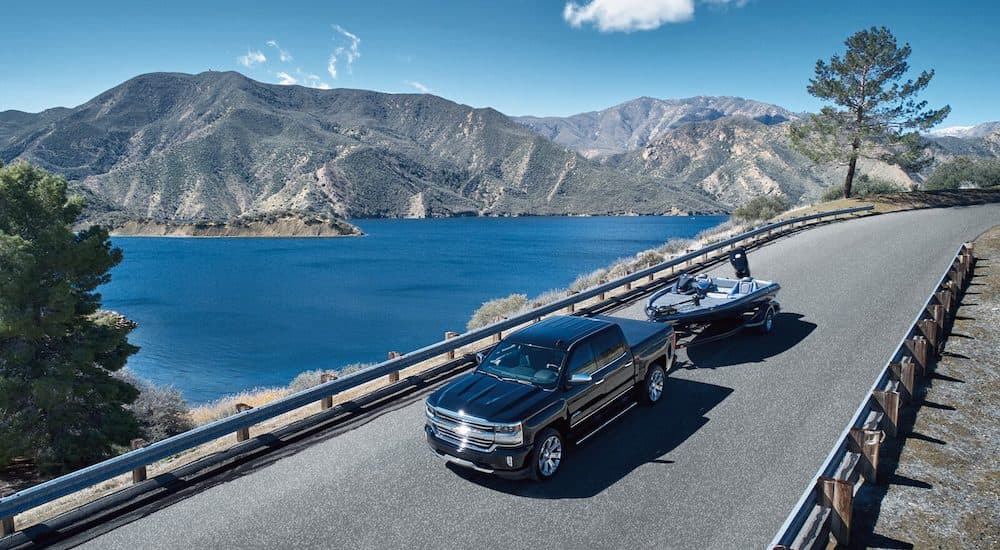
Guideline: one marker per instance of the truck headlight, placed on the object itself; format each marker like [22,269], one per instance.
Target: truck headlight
[429,411]
[509,434]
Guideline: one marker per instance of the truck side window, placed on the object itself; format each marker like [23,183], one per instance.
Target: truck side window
[608,347]
[582,360]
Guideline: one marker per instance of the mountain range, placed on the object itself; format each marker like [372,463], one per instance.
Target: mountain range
[172,149]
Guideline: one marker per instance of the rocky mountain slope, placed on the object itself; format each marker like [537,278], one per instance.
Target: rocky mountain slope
[216,147]
[633,124]
[737,158]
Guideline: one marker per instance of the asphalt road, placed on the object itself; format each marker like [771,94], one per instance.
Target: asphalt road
[719,464]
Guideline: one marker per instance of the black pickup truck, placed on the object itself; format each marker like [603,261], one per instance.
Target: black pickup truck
[543,387]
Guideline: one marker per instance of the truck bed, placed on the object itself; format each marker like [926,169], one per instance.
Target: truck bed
[638,334]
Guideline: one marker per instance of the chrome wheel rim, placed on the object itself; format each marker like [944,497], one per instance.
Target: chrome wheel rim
[768,322]
[656,385]
[550,455]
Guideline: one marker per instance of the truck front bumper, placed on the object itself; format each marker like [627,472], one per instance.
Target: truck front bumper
[505,462]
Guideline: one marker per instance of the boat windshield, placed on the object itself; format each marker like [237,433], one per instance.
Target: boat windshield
[524,363]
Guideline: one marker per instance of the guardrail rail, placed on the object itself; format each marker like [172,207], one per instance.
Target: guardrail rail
[825,508]
[136,460]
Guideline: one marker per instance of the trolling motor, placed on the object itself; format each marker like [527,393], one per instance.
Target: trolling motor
[738,259]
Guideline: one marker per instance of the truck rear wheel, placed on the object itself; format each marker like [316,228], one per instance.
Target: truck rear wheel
[547,455]
[653,385]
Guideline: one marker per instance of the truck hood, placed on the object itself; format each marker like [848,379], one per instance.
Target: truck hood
[485,397]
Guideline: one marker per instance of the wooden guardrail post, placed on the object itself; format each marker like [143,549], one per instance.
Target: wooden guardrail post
[448,335]
[930,330]
[937,315]
[242,434]
[138,474]
[394,375]
[628,285]
[867,442]
[6,526]
[889,401]
[650,277]
[918,348]
[327,401]
[907,376]
[497,337]
[603,296]
[839,495]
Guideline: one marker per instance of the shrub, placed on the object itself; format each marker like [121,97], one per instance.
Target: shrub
[497,309]
[674,246]
[832,193]
[547,297]
[307,379]
[864,186]
[965,172]
[762,208]
[588,280]
[161,411]
[648,258]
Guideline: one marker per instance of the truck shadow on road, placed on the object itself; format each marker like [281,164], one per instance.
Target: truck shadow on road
[641,437]
[750,347]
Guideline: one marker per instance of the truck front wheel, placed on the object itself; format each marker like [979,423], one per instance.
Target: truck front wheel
[547,455]
[653,385]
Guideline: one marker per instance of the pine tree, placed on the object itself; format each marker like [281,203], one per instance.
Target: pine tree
[59,403]
[875,113]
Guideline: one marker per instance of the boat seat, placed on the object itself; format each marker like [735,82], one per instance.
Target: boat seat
[742,288]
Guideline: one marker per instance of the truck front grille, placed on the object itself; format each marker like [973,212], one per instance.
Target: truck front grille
[462,431]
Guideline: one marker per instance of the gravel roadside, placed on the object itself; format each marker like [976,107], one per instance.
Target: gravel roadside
[941,485]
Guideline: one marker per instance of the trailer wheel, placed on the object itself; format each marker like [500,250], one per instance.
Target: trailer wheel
[767,325]
[654,384]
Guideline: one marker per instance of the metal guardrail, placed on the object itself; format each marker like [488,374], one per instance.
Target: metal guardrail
[75,481]
[825,508]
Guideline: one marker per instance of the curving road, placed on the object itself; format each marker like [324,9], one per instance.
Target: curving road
[718,465]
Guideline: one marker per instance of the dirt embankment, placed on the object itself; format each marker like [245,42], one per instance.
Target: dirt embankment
[942,482]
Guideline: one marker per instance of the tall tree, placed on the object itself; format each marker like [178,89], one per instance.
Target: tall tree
[59,403]
[875,113]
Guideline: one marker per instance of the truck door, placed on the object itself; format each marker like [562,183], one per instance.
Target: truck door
[615,363]
[584,400]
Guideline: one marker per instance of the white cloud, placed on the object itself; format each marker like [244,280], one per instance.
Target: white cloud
[253,57]
[354,50]
[314,81]
[286,79]
[635,15]
[350,53]
[419,86]
[283,54]
[331,66]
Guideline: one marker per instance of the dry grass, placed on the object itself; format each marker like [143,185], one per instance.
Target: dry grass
[226,406]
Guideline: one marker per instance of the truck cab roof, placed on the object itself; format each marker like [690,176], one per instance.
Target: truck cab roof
[559,332]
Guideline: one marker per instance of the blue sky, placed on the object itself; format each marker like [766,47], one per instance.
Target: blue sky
[519,56]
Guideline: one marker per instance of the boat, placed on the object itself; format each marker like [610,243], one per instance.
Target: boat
[702,299]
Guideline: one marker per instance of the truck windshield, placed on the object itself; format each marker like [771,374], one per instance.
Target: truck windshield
[524,363]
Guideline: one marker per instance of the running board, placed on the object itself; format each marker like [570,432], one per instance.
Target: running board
[609,421]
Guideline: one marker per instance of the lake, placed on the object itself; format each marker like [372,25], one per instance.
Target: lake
[220,315]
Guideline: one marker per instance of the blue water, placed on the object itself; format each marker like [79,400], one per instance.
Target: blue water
[220,315]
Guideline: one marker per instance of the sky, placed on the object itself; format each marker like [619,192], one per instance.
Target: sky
[522,57]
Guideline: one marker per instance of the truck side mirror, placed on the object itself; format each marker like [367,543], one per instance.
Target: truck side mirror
[580,378]
[475,359]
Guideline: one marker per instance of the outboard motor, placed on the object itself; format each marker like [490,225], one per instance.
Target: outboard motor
[738,259]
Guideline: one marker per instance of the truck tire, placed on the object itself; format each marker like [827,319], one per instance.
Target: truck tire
[653,385]
[547,455]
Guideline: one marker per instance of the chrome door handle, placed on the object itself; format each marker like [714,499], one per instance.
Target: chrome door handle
[599,382]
